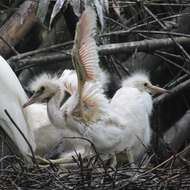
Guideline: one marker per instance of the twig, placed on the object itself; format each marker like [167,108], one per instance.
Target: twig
[116,48]
[10,46]
[172,63]
[125,32]
[154,16]
[42,50]
[29,145]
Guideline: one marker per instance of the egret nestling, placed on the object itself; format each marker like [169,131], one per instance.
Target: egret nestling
[82,106]
[69,87]
[83,102]
[52,89]
[133,103]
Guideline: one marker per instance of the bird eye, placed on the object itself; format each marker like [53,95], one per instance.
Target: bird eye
[146,84]
[42,88]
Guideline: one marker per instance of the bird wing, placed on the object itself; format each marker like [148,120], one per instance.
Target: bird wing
[84,53]
[94,103]
[105,138]
[93,99]
[69,80]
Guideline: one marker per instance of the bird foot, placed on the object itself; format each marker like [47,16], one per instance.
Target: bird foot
[44,161]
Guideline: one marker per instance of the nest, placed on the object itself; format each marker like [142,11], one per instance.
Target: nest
[17,175]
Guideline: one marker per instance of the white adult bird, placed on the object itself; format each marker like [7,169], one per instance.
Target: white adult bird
[12,97]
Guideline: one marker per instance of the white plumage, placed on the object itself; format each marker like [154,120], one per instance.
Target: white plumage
[12,97]
[52,90]
[126,123]
[133,103]
[33,121]
[64,98]
[78,101]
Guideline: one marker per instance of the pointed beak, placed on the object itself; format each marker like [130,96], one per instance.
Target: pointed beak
[157,90]
[34,98]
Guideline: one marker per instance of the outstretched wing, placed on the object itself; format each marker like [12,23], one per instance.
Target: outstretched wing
[84,53]
[94,103]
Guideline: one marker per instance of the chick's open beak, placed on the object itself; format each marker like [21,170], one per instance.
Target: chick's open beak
[157,90]
[34,98]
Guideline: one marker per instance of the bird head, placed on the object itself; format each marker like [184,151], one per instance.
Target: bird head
[43,87]
[142,83]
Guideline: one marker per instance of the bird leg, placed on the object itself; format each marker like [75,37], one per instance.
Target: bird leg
[135,174]
[113,162]
[131,159]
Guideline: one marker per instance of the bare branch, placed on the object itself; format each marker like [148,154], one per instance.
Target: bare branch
[116,48]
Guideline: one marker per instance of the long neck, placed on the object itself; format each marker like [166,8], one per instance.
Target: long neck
[53,110]
[148,103]
[56,115]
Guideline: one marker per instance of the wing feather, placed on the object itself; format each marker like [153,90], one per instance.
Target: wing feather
[85,55]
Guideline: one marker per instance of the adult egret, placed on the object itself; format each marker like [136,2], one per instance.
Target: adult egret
[12,97]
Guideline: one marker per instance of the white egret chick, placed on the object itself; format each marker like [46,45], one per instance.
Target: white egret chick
[133,103]
[57,91]
[67,90]
[83,108]
[12,97]
[82,102]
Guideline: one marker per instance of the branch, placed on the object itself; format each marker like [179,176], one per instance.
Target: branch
[127,47]
[144,45]
[17,26]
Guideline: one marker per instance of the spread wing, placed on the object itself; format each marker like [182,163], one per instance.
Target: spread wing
[84,53]
[86,63]
[94,103]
